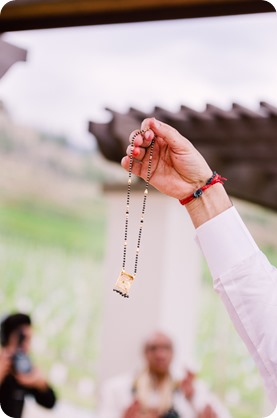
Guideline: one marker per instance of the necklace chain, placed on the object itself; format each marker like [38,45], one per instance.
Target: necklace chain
[125,279]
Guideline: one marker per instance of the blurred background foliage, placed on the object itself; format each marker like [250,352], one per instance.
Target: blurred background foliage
[52,247]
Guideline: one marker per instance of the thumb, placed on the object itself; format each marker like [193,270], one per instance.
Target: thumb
[169,134]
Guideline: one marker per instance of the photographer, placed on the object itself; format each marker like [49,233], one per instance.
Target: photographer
[18,376]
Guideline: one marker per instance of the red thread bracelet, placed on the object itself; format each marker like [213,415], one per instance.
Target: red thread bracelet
[216,178]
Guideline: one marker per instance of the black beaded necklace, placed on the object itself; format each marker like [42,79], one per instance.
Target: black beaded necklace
[125,279]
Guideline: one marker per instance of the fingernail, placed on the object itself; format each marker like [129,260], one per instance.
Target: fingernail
[157,123]
[147,135]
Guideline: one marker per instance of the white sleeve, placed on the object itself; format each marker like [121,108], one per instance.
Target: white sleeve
[247,284]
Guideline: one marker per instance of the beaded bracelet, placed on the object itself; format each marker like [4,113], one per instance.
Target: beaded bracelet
[216,178]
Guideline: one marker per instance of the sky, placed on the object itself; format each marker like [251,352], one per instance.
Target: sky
[72,75]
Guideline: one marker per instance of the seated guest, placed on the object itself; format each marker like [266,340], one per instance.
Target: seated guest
[154,393]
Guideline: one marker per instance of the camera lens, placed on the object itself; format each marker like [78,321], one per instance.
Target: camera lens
[21,363]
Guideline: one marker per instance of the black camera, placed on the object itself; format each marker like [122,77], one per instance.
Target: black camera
[20,360]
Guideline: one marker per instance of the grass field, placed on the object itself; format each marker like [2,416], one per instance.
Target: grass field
[51,265]
[55,228]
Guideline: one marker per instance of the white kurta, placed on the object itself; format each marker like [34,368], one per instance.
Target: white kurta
[247,284]
[116,397]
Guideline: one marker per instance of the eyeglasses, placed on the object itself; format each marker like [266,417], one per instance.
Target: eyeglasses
[156,347]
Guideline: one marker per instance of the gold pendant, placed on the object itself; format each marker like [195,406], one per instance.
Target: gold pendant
[124,283]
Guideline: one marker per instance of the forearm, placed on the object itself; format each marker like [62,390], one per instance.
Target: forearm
[41,385]
[46,397]
[249,293]
[213,202]
[243,277]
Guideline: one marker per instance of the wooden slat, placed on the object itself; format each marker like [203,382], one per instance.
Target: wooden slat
[35,14]
[270,110]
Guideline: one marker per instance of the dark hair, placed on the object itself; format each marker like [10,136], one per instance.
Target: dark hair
[10,324]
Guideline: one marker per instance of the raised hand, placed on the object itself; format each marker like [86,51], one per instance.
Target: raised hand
[178,169]
[34,379]
[137,411]
[208,412]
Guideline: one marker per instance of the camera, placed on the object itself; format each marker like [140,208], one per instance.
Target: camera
[20,360]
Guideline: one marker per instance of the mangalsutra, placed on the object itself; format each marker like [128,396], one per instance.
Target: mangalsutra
[125,279]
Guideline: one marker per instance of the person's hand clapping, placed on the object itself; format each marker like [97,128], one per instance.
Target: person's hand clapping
[136,411]
[208,412]
[187,386]
[178,169]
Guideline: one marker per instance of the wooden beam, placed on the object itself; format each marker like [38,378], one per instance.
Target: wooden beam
[9,55]
[241,147]
[41,14]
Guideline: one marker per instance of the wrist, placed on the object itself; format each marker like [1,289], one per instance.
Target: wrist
[214,179]
[212,202]
[42,385]
[3,374]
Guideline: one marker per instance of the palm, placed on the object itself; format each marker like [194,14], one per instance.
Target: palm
[176,174]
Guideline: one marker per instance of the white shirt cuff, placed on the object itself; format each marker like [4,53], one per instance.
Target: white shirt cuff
[225,242]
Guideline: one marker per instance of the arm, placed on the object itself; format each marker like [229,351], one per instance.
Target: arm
[242,275]
[37,386]
[247,284]
[46,397]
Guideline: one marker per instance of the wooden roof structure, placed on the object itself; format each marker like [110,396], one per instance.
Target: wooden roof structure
[239,143]
[9,55]
[42,14]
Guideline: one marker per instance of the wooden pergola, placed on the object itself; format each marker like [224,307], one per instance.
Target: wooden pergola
[41,14]
[239,143]
[9,55]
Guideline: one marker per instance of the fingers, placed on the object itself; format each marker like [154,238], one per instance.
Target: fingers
[138,152]
[170,135]
[152,128]
[141,139]
[136,168]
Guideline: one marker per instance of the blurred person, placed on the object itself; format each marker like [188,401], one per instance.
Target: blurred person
[154,392]
[18,375]
[242,275]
